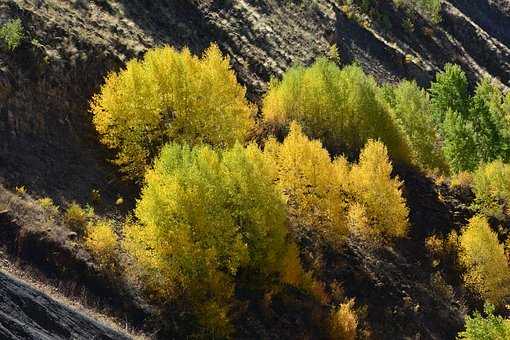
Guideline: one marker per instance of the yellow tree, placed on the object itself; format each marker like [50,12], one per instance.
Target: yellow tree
[310,182]
[487,269]
[170,95]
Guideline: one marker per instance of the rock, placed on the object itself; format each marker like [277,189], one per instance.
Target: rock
[26,313]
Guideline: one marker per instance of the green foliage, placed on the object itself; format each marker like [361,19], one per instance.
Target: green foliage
[170,95]
[343,108]
[11,33]
[449,92]
[204,216]
[487,269]
[491,185]
[413,111]
[429,9]
[490,327]
[474,129]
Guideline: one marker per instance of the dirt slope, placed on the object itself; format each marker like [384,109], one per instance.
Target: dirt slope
[47,142]
[26,313]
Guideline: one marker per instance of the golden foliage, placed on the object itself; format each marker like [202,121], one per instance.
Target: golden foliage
[332,197]
[379,194]
[205,215]
[491,185]
[342,108]
[101,241]
[310,181]
[170,95]
[76,218]
[487,269]
[344,322]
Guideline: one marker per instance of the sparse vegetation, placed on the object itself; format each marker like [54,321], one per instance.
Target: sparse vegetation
[76,218]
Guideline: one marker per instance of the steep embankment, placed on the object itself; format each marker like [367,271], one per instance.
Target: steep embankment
[26,313]
[46,139]
[48,144]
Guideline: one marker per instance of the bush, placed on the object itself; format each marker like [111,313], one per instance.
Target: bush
[49,206]
[413,111]
[491,185]
[310,181]
[343,108]
[11,33]
[487,269]
[490,327]
[204,217]
[170,95]
[463,180]
[379,197]
[76,218]
[102,242]
[344,322]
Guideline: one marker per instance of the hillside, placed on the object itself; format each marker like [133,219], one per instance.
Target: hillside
[50,148]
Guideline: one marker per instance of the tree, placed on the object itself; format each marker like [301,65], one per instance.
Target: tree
[205,216]
[313,186]
[487,269]
[384,209]
[413,111]
[459,144]
[491,185]
[342,108]
[449,92]
[490,327]
[170,95]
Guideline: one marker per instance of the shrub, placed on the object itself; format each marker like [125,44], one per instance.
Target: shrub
[344,322]
[343,108]
[102,242]
[385,210]
[11,33]
[49,206]
[463,180]
[204,217]
[310,181]
[413,111]
[491,185]
[76,218]
[490,327]
[170,95]
[487,269]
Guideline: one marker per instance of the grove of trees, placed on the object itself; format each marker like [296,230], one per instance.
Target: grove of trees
[218,211]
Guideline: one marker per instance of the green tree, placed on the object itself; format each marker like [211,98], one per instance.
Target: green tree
[205,216]
[343,108]
[490,327]
[413,111]
[449,92]
[170,95]
[459,145]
